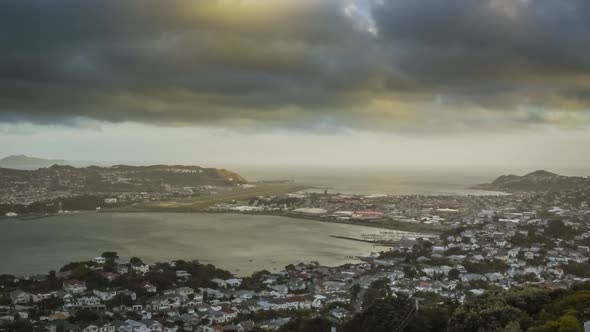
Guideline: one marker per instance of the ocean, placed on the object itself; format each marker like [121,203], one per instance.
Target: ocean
[378,181]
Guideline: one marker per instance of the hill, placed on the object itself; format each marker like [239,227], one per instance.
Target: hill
[118,178]
[29,163]
[536,181]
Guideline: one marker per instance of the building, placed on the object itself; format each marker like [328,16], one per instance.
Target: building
[99,260]
[74,286]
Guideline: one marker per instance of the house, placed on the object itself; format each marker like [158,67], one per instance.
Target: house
[233,283]
[438,249]
[99,260]
[339,313]
[152,325]
[247,325]
[148,287]
[182,274]
[513,252]
[297,302]
[88,301]
[110,276]
[219,282]
[132,326]
[122,269]
[502,255]
[495,276]
[105,295]
[102,326]
[232,328]
[141,268]
[212,293]
[87,327]
[44,296]
[245,294]
[318,301]
[20,297]
[181,291]
[126,292]
[473,277]
[74,286]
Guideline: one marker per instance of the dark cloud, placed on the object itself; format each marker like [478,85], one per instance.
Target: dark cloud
[307,63]
[465,40]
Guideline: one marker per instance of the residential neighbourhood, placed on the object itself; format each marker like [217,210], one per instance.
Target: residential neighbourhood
[452,249]
[499,247]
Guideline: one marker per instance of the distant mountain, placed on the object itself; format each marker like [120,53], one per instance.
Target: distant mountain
[29,163]
[537,181]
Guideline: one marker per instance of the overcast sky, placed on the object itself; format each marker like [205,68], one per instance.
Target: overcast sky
[298,82]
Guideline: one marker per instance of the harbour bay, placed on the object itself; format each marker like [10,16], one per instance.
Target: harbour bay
[239,243]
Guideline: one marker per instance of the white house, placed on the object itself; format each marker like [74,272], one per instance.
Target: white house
[110,201]
[21,297]
[99,260]
[233,282]
[142,268]
[105,295]
[74,286]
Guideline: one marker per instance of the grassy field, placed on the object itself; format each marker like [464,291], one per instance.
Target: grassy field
[201,203]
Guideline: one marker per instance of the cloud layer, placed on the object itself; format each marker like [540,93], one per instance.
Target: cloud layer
[404,65]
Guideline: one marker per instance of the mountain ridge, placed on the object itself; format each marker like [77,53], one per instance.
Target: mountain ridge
[540,180]
[28,163]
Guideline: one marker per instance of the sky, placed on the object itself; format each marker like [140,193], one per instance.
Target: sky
[412,83]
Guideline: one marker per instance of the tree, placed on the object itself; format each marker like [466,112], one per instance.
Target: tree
[491,314]
[384,315]
[121,299]
[110,255]
[496,309]
[512,327]
[454,274]
[378,289]
[355,290]
[53,282]
[581,270]
[135,261]
[557,229]
[410,272]
[566,323]
[85,316]
[318,324]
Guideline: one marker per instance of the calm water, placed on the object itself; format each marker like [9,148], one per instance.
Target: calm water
[380,181]
[226,240]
